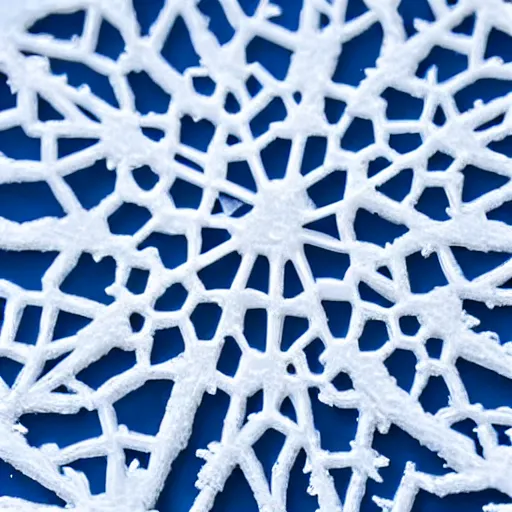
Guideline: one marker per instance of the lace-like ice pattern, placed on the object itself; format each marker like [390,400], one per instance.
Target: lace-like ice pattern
[299,169]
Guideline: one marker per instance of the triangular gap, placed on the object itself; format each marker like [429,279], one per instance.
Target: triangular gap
[467,427]
[231,105]
[287,409]
[384,270]
[110,41]
[410,11]
[92,184]
[484,386]
[326,263]
[358,54]
[439,116]
[78,74]
[342,382]
[492,319]
[17,485]
[254,404]
[178,49]
[60,25]
[476,263]
[9,370]
[433,202]
[255,328]
[267,449]
[292,285]
[368,294]
[147,12]
[328,190]
[326,225]
[137,322]
[151,397]
[297,497]
[260,274]
[167,344]
[46,112]
[398,186]
[293,328]
[172,299]
[484,89]
[155,134]
[495,121]
[230,356]
[67,146]
[149,97]
[341,477]
[213,237]
[354,9]
[376,165]
[401,365]
[236,491]
[466,26]
[502,213]
[371,227]
[50,364]
[145,178]
[435,395]
[187,162]
[272,113]
[221,273]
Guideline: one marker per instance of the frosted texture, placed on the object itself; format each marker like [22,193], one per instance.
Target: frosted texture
[362,191]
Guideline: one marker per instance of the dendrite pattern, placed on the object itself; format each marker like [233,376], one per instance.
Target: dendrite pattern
[303,208]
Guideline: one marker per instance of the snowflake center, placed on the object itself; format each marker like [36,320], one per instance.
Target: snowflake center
[276,220]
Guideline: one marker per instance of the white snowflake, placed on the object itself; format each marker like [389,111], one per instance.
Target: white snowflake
[246,164]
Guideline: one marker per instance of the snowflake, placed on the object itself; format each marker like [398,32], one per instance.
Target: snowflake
[208,201]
